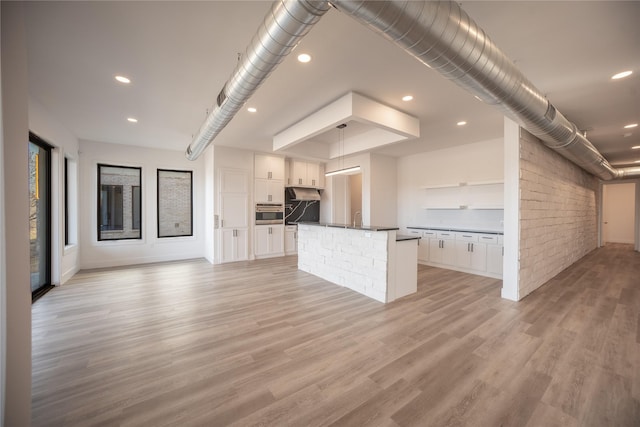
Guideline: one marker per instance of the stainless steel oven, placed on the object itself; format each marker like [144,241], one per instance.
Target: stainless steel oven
[269,213]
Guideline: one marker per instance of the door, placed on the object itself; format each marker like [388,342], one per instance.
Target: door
[39,215]
[618,213]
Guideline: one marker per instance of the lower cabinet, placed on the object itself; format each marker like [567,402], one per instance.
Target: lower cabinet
[234,244]
[290,239]
[471,255]
[423,245]
[442,250]
[471,252]
[269,241]
[495,256]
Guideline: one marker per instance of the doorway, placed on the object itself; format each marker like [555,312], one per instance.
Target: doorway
[618,213]
[39,216]
[355,190]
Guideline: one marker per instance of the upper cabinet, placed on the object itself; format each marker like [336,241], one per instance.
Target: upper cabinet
[269,167]
[305,174]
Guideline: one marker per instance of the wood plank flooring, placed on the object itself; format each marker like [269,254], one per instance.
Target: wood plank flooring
[261,343]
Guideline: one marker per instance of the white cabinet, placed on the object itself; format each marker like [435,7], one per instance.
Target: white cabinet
[234,244]
[269,191]
[233,236]
[471,252]
[442,248]
[305,174]
[472,255]
[495,256]
[268,167]
[234,181]
[269,240]
[290,239]
[423,245]
[234,210]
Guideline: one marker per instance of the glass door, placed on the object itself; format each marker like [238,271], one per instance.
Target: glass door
[39,215]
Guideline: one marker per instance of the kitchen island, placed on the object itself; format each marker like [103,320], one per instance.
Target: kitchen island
[372,260]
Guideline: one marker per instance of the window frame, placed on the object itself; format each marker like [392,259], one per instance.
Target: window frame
[99,205]
[158,219]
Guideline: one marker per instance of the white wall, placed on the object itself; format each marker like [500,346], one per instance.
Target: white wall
[480,161]
[619,212]
[384,189]
[65,260]
[150,248]
[15,136]
[209,201]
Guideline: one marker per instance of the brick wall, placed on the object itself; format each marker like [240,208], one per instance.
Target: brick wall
[174,205]
[355,259]
[558,213]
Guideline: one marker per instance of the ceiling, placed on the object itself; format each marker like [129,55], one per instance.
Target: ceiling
[178,56]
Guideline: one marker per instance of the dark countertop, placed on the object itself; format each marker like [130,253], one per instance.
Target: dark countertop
[351,227]
[462,229]
[404,237]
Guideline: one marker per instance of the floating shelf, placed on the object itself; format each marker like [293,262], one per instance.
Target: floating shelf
[462,184]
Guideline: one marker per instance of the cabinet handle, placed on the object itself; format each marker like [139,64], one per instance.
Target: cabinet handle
[222,223]
[313,182]
[472,247]
[235,233]
[295,235]
[269,197]
[503,251]
[468,247]
[269,175]
[300,181]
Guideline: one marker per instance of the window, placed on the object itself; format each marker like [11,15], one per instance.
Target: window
[119,202]
[66,201]
[175,203]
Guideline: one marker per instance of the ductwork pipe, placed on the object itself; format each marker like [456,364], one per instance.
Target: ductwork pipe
[442,36]
[283,27]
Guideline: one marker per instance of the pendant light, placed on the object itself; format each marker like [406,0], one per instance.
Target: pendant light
[342,170]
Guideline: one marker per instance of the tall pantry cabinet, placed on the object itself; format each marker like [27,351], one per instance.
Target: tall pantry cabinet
[233,221]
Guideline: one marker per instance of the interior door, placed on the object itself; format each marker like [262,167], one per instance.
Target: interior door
[618,213]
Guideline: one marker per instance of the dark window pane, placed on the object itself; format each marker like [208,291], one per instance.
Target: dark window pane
[119,203]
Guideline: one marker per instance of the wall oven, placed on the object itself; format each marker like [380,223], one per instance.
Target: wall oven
[269,213]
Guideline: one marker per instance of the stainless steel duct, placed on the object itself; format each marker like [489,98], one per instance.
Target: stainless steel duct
[283,27]
[442,36]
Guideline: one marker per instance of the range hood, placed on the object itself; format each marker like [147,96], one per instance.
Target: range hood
[303,194]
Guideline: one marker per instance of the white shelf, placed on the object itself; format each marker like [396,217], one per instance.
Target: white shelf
[461,184]
[477,183]
[433,187]
[486,207]
[446,207]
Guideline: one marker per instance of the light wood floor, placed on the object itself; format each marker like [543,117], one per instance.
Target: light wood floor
[261,343]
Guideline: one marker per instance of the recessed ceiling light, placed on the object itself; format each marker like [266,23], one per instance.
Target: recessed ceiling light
[407,98]
[132,120]
[632,125]
[123,79]
[462,123]
[304,57]
[621,75]
[637,161]
[636,147]
[252,109]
